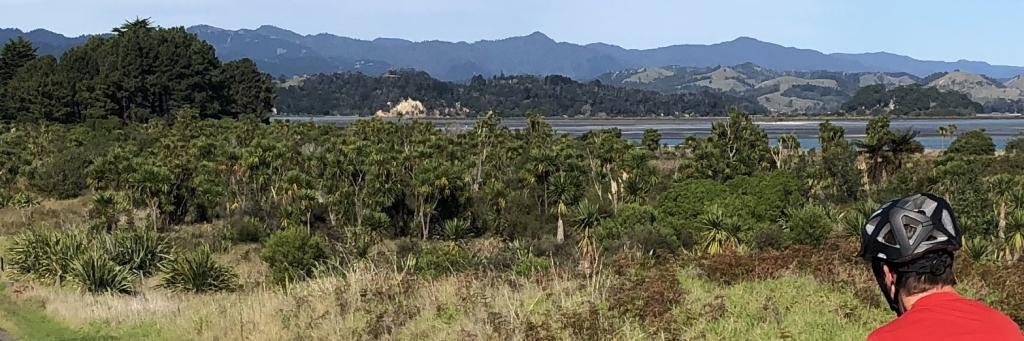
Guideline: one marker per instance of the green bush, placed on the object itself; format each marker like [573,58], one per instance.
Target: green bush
[246,230]
[198,272]
[94,272]
[974,142]
[141,251]
[293,254]
[769,238]
[855,217]
[441,259]
[756,200]
[1015,146]
[47,255]
[637,226]
[110,211]
[808,225]
[528,264]
[61,176]
[455,228]
[18,200]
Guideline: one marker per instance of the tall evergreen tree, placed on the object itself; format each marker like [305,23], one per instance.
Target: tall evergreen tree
[39,91]
[16,53]
[250,93]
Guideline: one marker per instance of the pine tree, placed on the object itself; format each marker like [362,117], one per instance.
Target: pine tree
[16,53]
[250,93]
[38,91]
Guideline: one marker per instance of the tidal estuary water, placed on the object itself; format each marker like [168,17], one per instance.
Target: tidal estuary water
[675,130]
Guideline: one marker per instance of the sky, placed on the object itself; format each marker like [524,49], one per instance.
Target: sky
[949,30]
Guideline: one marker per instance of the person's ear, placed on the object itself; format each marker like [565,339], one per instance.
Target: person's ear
[890,279]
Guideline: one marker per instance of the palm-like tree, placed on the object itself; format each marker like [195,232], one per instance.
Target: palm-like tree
[563,190]
[149,184]
[947,131]
[885,154]
[877,158]
[109,209]
[588,217]
[903,144]
[1014,241]
[721,233]
[1001,188]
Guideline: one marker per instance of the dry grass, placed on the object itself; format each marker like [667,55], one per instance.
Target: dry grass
[50,213]
[373,302]
[799,294]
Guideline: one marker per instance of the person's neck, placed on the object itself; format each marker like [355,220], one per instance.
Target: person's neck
[908,301]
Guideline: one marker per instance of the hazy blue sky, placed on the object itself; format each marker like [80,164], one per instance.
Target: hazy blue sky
[989,30]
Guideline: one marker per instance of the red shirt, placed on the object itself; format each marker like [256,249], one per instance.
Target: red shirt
[949,316]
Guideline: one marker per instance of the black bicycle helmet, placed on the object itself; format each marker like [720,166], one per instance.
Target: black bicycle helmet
[917,227]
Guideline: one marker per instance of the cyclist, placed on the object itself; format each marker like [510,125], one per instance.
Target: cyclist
[910,243]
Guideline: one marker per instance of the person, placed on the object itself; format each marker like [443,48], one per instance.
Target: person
[910,243]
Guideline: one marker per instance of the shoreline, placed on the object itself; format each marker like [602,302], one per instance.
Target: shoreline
[756,118]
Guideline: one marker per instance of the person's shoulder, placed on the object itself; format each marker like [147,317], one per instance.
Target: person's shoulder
[995,319]
[894,330]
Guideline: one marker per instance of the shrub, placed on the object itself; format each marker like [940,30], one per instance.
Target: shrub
[974,142]
[138,250]
[109,211]
[525,262]
[246,230]
[855,217]
[749,200]
[769,238]
[46,255]
[455,228]
[1015,146]
[19,200]
[94,272]
[638,226]
[548,246]
[443,259]
[198,272]
[808,225]
[293,253]
[61,176]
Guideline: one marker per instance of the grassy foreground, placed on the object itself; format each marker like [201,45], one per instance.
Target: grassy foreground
[796,294]
[26,320]
[659,302]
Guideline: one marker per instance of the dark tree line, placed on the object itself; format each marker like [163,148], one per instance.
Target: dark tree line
[141,72]
[911,100]
[358,94]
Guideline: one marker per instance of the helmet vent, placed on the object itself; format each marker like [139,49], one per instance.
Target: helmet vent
[888,236]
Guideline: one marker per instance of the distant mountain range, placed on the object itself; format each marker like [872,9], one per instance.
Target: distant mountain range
[283,52]
[811,91]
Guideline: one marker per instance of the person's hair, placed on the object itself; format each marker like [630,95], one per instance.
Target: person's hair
[913,283]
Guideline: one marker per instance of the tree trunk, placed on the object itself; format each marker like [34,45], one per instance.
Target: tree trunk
[560,235]
[422,214]
[153,214]
[423,226]
[1002,221]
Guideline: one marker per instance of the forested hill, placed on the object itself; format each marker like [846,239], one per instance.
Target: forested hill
[140,73]
[359,94]
[911,100]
